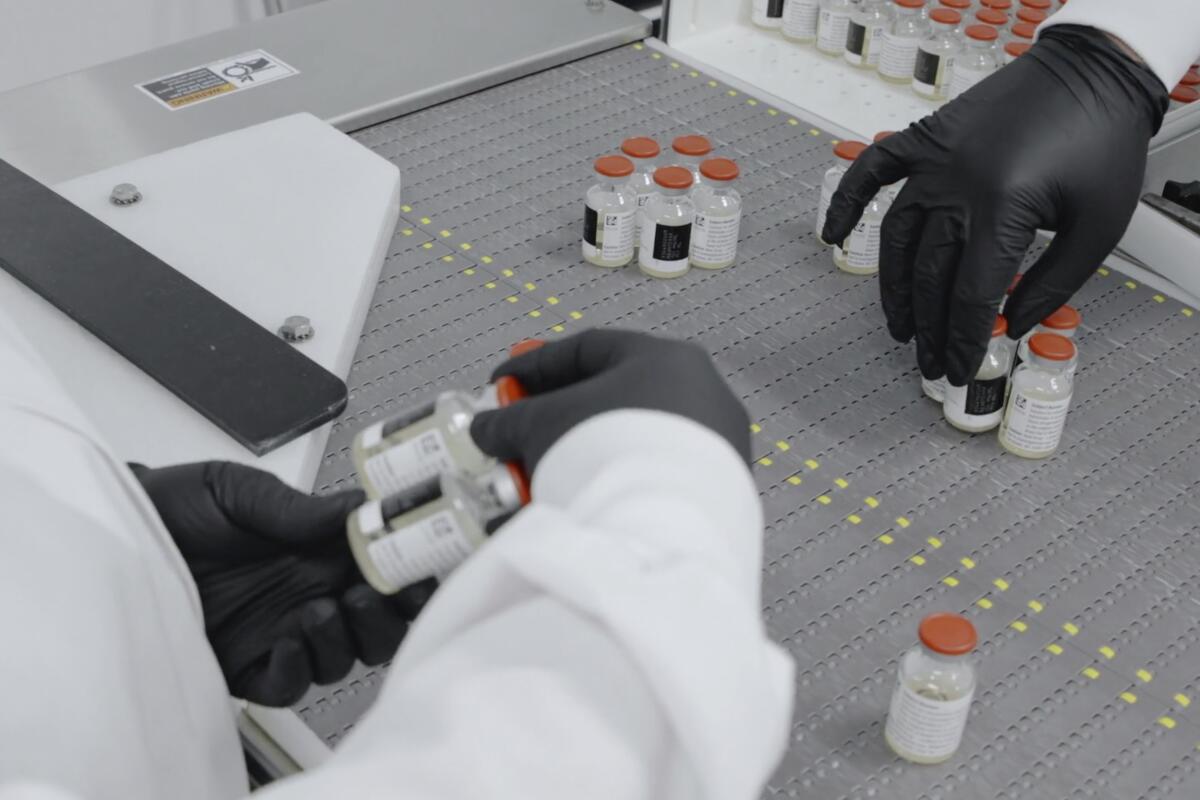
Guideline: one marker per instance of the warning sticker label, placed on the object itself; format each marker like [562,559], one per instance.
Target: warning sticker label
[235,74]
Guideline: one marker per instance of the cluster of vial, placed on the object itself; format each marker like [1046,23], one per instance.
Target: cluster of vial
[433,497]
[859,253]
[939,47]
[671,216]
[1023,388]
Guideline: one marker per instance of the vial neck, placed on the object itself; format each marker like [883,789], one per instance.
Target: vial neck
[665,192]
[719,188]
[611,184]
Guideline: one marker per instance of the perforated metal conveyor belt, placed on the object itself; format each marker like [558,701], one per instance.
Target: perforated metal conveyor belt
[1082,573]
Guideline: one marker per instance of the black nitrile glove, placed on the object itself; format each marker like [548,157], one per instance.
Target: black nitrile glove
[284,604]
[589,373]
[1056,140]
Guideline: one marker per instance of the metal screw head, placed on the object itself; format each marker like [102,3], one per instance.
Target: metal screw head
[124,194]
[296,329]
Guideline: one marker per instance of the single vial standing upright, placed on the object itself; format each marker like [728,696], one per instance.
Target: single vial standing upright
[977,61]
[934,689]
[936,54]
[1039,398]
[688,152]
[832,23]
[429,529]
[800,20]
[869,24]
[860,256]
[718,215]
[641,150]
[667,235]
[899,55]
[610,214]
[1014,50]
[846,153]
[979,405]
[1033,15]
[990,16]
[767,13]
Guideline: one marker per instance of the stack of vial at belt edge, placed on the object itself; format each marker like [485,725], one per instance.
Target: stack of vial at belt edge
[433,496]
[940,48]
[673,216]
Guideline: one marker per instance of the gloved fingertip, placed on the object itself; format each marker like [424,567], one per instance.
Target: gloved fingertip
[490,430]
[280,680]
[377,625]
[411,599]
[328,640]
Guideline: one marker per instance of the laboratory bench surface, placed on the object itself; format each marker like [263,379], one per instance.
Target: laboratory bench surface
[1081,572]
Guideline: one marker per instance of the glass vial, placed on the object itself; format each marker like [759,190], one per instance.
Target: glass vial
[689,151]
[610,214]
[977,61]
[933,693]
[832,23]
[1040,396]
[935,389]
[1065,321]
[936,54]
[800,20]
[667,235]
[1014,50]
[899,55]
[641,150]
[767,13]
[846,152]
[718,215]
[978,406]
[865,35]
[428,439]
[861,253]
[432,527]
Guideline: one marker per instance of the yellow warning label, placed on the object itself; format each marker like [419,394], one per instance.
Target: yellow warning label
[198,84]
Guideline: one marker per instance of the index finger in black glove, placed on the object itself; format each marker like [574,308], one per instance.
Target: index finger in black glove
[1056,141]
[589,373]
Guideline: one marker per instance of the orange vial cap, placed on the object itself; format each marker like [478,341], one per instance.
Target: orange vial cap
[524,346]
[990,16]
[614,166]
[956,4]
[1064,319]
[1040,5]
[1051,346]
[879,137]
[509,390]
[640,147]
[849,150]
[1192,78]
[691,145]
[719,169]
[1024,30]
[1000,326]
[999,5]
[1034,15]
[982,33]
[911,3]
[946,16]
[673,177]
[948,634]
[1017,49]
[1185,94]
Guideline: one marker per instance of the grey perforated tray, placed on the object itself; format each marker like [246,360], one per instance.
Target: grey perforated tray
[1081,572]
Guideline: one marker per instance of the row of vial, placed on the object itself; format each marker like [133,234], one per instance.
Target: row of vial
[941,48]
[1024,388]
[433,497]
[683,214]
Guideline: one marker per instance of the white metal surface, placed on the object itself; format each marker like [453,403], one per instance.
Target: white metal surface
[287,217]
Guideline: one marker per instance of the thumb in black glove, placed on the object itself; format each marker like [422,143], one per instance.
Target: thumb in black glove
[589,373]
[284,604]
[1056,140]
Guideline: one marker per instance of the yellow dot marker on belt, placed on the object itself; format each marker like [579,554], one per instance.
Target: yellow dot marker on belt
[813,132]
[1036,607]
[485,259]
[1158,298]
[465,246]
[755,427]
[1054,648]
[1183,700]
[1166,722]
[919,560]
[886,539]
[1187,312]
[824,500]
[793,121]
[508,273]
[512,298]
[842,483]
[529,287]
[656,56]
[812,463]
[1145,675]
[693,74]
[903,522]
[732,92]
[1018,625]
[490,284]
[639,47]
[1107,652]
[766,461]
[674,65]
[783,446]
[984,603]
[967,563]
[428,245]
[407,231]
[1091,672]
[854,519]
[535,313]
[1103,271]
[558,329]
[1071,628]
[774,112]
[426,221]
[751,102]
[1130,285]
[447,259]
[795,480]
[469,271]
[712,84]
[950,580]
[1129,697]
[1000,584]
[871,502]
[552,301]
[406,209]
[935,542]
[576,315]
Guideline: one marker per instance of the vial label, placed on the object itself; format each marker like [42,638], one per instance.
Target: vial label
[899,56]
[608,236]
[864,43]
[371,436]
[800,19]
[978,404]
[831,30]
[410,462]
[768,13]
[922,728]
[639,218]
[433,546]
[963,79]
[665,248]
[715,239]
[823,209]
[862,248]
[929,71]
[1035,425]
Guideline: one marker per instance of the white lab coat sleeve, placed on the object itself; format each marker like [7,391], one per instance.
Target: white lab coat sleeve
[1165,33]
[607,643]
